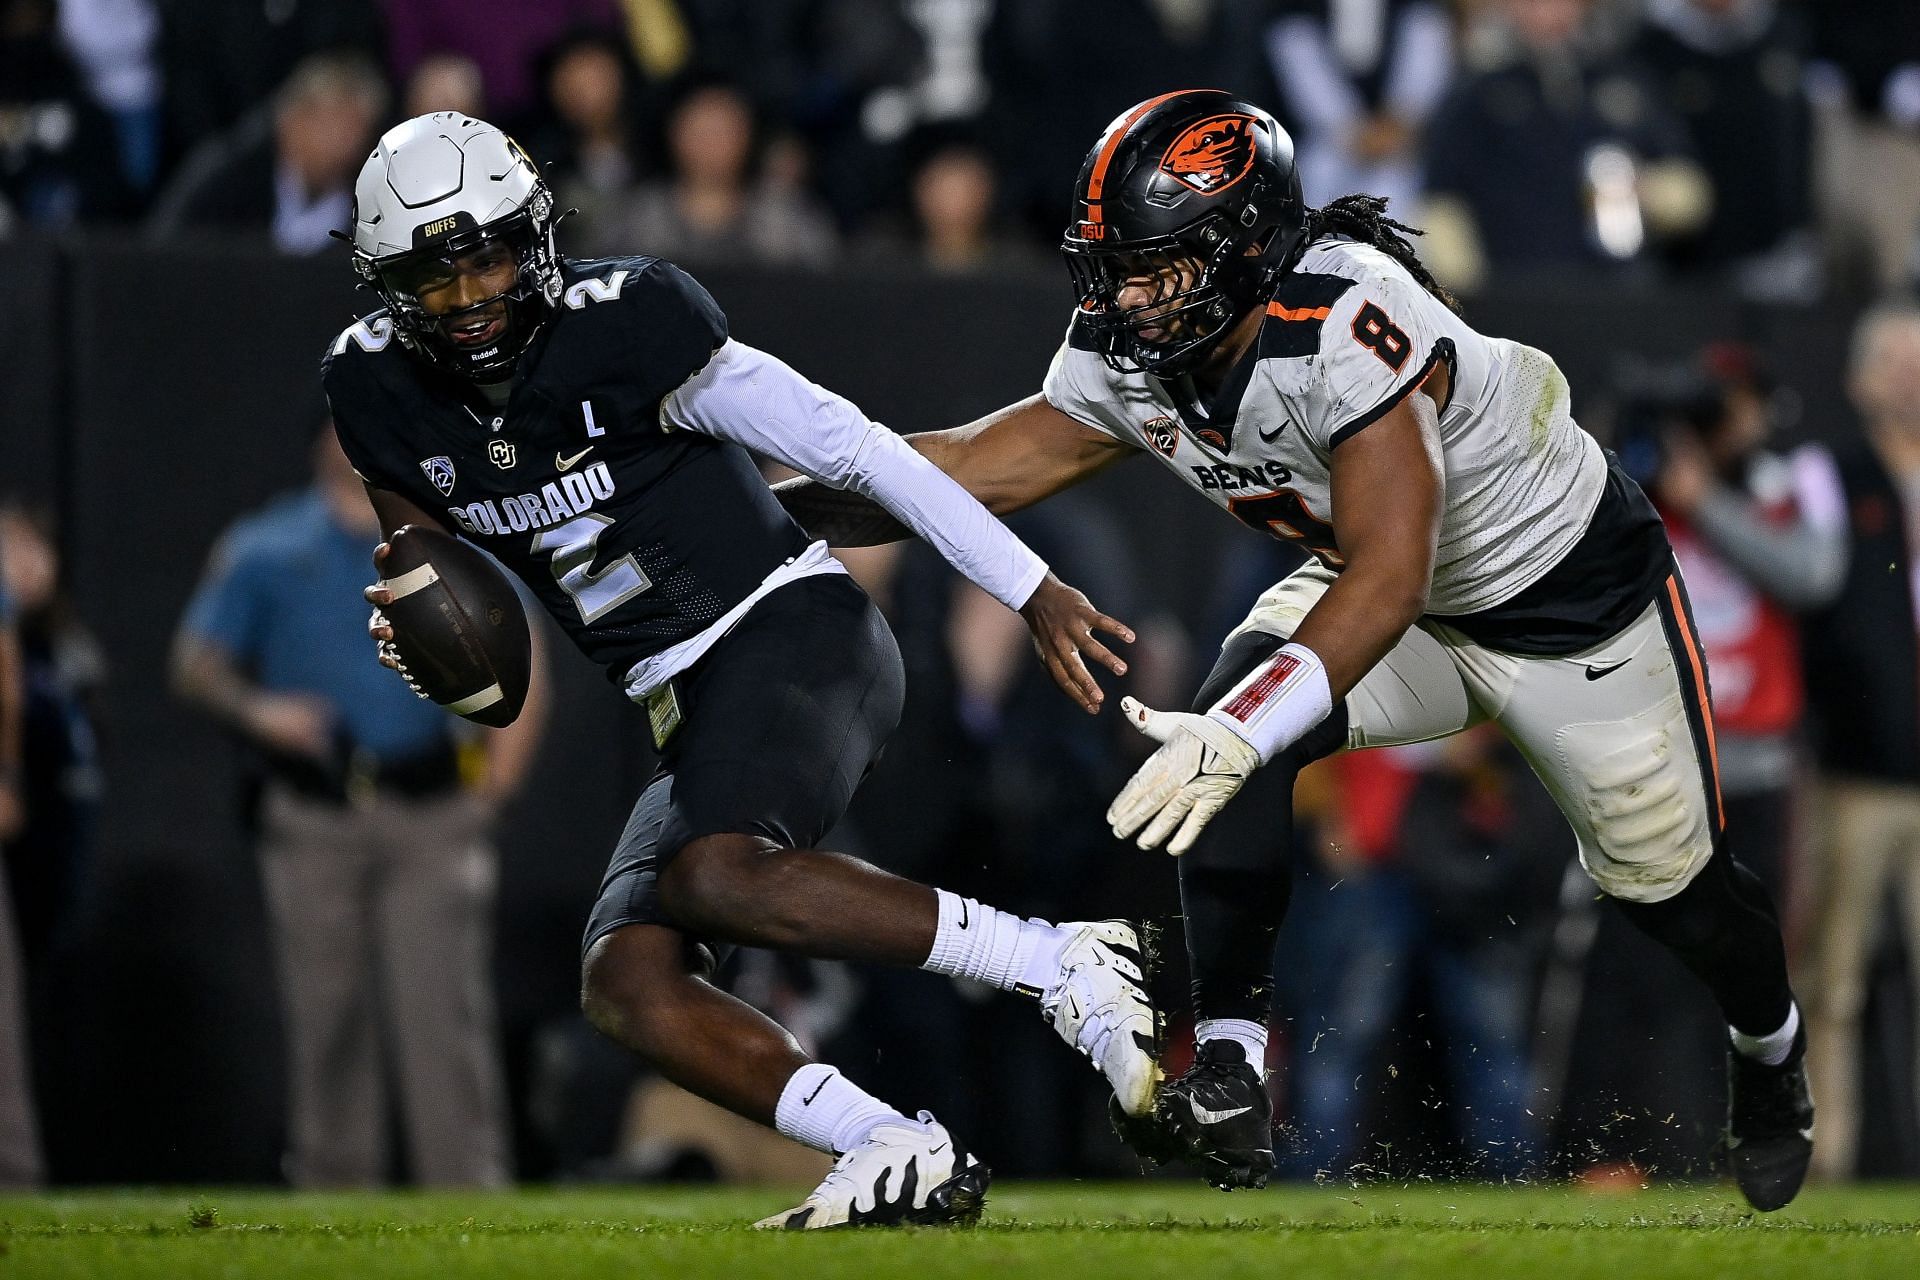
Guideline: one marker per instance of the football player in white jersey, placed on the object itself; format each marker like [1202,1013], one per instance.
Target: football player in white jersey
[1472,555]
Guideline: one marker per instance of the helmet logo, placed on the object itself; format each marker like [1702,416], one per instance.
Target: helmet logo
[1212,155]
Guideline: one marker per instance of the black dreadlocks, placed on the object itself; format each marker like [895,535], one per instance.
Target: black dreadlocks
[1364,218]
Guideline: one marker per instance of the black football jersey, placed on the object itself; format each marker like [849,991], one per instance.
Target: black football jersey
[633,536]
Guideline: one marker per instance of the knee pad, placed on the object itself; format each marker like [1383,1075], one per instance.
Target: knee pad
[1634,793]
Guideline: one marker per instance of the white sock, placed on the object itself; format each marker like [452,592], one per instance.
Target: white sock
[994,947]
[822,1109]
[1773,1047]
[1246,1033]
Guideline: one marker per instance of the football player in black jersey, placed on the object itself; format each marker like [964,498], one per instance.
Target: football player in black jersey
[589,423]
[1472,555]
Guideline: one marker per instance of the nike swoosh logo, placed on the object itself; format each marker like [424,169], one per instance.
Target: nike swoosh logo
[963,913]
[1205,1116]
[1275,434]
[565,463]
[1594,673]
[934,1151]
[808,1100]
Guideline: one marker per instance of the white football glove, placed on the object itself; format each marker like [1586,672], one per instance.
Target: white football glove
[1201,763]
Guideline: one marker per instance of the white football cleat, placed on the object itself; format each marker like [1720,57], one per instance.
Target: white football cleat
[1099,1005]
[903,1174]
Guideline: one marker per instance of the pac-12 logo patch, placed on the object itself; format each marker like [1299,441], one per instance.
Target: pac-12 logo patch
[502,453]
[1212,155]
[440,471]
[1163,434]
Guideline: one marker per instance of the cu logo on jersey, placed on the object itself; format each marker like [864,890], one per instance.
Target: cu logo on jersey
[440,471]
[502,453]
[1163,434]
[1212,155]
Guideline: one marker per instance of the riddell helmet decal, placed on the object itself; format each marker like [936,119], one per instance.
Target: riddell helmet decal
[1212,155]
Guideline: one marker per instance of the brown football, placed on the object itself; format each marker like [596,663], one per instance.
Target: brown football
[458,625]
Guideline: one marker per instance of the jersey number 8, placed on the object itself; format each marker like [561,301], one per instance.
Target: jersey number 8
[1372,330]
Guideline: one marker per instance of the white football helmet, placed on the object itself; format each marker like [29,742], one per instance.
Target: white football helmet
[436,188]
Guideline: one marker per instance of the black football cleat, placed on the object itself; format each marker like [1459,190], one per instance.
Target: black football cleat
[1217,1116]
[1769,1138]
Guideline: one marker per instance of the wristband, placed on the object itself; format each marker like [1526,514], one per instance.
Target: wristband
[1278,701]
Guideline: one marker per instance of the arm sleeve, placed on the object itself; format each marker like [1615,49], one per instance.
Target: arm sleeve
[751,399]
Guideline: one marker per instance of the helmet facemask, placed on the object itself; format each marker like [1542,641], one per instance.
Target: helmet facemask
[400,279]
[1203,280]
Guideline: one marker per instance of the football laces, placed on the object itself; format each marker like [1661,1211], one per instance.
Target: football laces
[391,652]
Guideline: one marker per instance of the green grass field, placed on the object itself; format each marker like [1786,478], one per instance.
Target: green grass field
[1055,1231]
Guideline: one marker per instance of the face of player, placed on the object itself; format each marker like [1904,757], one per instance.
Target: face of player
[470,290]
[1149,289]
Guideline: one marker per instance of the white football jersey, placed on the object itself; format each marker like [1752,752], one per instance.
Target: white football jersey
[1349,334]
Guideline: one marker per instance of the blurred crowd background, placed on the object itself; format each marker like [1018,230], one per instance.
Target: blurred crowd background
[269,920]
[1764,143]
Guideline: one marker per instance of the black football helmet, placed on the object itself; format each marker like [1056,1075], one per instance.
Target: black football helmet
[1197,190]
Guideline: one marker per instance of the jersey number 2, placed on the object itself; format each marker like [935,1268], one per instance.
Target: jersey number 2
[594,594]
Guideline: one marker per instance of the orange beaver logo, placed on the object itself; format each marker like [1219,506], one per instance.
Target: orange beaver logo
[1212,155]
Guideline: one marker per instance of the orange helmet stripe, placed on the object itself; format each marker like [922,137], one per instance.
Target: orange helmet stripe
[1097,180]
